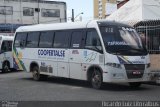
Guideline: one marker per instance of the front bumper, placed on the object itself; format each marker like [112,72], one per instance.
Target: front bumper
[122,78]
[116,75]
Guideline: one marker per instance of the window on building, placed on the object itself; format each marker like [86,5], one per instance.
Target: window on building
[77,39]
[46,39]
[50,13]
[28,11]
[32,39]
[61,39]
[20,40]
[6,10]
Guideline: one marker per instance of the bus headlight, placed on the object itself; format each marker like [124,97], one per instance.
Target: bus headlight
[148,65]
[114,65]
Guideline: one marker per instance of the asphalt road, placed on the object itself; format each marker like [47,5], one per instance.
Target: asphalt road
[19,86]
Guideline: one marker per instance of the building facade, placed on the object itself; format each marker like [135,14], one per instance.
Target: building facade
[103,8]
[15,13]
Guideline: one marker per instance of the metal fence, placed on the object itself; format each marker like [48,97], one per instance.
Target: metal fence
[150,33]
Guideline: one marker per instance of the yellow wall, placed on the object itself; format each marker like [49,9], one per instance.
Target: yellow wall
[96,9]
[104,8]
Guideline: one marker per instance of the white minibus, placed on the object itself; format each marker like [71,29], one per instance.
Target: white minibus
[6,58]
[96,51]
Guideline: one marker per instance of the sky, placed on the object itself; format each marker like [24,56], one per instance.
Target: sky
[85,6]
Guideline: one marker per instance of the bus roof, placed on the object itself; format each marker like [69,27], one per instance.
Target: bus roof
[54,26]
[2,37]
[62,26]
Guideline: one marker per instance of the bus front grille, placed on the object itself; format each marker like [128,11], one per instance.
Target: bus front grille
[134,70]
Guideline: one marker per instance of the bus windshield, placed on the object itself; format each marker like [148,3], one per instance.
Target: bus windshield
[122,40]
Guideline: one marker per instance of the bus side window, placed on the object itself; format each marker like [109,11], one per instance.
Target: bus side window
[9,45]
[46,39]
[61,39]
[6,46]
[33,39]
[93,41]
[20,40]
[76,41]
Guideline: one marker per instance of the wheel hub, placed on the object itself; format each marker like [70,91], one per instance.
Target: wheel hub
[35,74]
[96,80]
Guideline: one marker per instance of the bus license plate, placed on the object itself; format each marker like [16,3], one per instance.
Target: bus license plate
[136,72]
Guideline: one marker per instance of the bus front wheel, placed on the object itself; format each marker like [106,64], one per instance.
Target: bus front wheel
[96,79]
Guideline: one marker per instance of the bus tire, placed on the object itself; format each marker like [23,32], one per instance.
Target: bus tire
[135,84]
[36,74]
[5,67]
[96,79]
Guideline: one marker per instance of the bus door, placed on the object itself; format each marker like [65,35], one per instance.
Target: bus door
[75,57]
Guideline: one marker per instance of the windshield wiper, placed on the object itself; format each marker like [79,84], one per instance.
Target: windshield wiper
[139,50]
[132,49]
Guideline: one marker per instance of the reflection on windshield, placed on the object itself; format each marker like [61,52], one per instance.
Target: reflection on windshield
[130,38]
[122,40]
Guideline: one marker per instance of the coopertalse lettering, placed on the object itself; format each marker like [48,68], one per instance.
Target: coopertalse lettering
[56,53]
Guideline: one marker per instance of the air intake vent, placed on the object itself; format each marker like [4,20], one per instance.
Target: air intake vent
[134,70]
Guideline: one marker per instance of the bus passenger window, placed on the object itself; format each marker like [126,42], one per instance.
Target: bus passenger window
[20,40]
[32,40]
[46,39]
[6,46]
[61,39]
[9,45]
[76,39]
[93,41]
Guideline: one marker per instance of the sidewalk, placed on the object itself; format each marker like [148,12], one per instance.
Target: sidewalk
[157,75]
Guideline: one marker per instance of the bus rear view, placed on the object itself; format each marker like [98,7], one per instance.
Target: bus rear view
[126,59]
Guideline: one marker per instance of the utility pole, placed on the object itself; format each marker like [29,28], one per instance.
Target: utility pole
[72,15]
[38,11]
[5,17]
[73,18]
